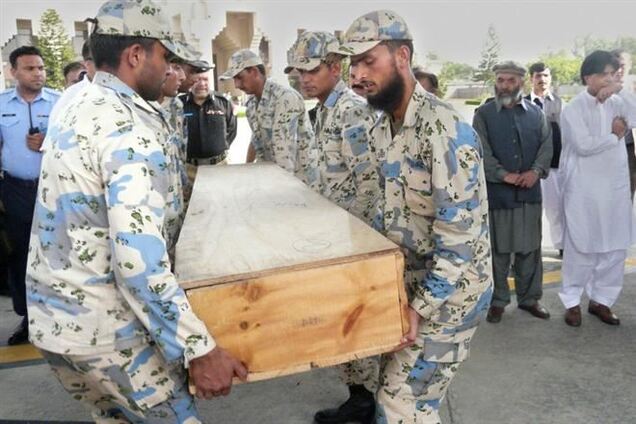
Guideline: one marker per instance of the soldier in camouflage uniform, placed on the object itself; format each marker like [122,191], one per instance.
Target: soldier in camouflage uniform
[104,307]
[435,207]
[281,131]
[171,108]
[348,176]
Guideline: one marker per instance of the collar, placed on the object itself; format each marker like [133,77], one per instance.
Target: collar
[169,101]
[592,100]
[548,96]
[335,94]
[521,103]
[110,81]
[44,94]
[267,90]
[190,98]
[410,117]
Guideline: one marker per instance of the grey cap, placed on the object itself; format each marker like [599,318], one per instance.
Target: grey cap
[136,18]
[310,49]
[240,60]
[371,29]
[192,57]
[509,67]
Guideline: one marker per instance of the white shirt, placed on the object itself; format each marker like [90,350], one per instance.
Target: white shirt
[596,191]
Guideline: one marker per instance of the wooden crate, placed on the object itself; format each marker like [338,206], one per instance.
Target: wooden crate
[284,279]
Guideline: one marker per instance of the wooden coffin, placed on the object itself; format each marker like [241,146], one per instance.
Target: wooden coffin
[284,279]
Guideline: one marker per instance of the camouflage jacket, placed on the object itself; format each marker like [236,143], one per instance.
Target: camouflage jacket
[435,207]
[347,171]
[107,209]
[172,111]
[281,131]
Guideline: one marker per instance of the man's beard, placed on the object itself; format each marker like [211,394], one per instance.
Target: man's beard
[149,92]
[509,99]
[389,98]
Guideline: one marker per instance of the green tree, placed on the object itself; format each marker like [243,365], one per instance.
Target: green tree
[452,71]
[457,71]
[563,67]
[587,44]
[489,58]
[55,46]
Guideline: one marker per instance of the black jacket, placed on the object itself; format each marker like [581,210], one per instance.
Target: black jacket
[553,114]
[211,127]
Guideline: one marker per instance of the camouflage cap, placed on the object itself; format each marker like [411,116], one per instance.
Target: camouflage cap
[310,49]
[192,57]
[186,53]
[509,67]
[240,60]
[371,29]
[136,18]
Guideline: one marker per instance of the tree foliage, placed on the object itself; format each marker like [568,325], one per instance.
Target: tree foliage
[55,46]
[587,44]
[452,71]
[489,58]
[563,67]
[457,71]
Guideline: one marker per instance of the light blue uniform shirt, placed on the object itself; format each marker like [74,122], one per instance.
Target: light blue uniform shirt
[15,157]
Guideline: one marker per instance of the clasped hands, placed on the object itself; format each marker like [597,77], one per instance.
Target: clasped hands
[525,179]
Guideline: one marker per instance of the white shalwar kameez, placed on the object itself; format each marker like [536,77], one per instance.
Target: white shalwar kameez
[596,199]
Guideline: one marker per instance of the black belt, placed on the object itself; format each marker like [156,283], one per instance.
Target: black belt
[19,181]
[207,161]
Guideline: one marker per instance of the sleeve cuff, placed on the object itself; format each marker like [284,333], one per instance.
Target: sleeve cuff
[424,309]
[540,171]
[200,349]
[501,173]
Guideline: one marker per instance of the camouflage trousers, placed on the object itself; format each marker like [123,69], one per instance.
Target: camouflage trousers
[413,381]
[128,386]
[362,371]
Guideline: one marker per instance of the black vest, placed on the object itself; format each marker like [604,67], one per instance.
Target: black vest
[556,134]
[514,136]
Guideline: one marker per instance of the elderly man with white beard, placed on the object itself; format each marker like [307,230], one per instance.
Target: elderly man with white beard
[517,145]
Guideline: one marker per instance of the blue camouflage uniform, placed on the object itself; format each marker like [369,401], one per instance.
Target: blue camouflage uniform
[345,158]
[104,306]
[435,207]
[108,210]
[281,130]
[172,111]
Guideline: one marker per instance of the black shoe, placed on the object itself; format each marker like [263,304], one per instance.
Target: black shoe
[359,408]
[494,314]
[536,310]
[603,313]
[21,334]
